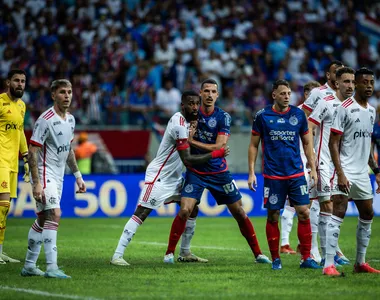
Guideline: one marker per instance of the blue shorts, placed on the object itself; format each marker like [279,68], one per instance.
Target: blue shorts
[221,186]
[276,191]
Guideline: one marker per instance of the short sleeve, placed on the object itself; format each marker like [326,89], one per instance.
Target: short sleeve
[257,127]
[311,102]
[40,132]
[180,133]
[224,125]
[319,113]
[339,120]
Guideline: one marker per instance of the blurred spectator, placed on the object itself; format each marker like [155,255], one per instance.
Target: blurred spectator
[168,101]
[92,99]
[254,103]
[234,106]
[375,100]
[84,152]
[115,105]
[140,107]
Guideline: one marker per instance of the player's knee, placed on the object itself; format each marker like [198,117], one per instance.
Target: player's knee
[195,211]
[326,206]
[367,214]
[303,212]
[53,215]
[273,215]
[184,213]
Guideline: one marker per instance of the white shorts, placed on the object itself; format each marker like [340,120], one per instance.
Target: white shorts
[153,195]
[360,187]
[324,183]
[53,193]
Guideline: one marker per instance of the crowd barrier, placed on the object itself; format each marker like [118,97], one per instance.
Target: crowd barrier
[117,195]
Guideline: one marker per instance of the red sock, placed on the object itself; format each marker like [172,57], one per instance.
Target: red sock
[178,227]
[247,230]
[273,237]
[304,236]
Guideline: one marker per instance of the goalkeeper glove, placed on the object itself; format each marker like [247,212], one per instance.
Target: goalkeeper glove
[26,169]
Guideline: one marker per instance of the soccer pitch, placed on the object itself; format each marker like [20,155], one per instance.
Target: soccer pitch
[85,247]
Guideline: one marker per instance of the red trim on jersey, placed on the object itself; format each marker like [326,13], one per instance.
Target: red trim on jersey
[306,132]
[332,179]
[320,143]
[159,171]
[314,121]
[284,177]
[207,114]
[208,173]
[323,87]
[347,103]
[336,131]
[182,146]
[223,133]
[304,106]
[35,143]
[329,98]
[48,115]
[181,121]
[44,167]
[147,192]
[255,132]
[280,112]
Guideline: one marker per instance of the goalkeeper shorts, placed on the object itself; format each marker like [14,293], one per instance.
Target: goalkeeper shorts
[8,182]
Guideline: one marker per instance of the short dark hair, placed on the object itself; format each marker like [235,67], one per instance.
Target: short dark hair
[189,93]
[13,72]
[344,70]
[363,71]
[210,81]
[333,62]
[279,82]
[311,85]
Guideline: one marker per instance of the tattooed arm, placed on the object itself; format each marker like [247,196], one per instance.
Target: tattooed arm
[372,161]
[38,193]
[72,162]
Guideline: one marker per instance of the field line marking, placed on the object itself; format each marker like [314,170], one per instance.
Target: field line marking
[46,294]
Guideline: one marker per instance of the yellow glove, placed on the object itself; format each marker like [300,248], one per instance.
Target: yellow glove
[26,169]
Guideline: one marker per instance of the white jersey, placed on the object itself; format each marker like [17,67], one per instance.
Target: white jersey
[316,95]
[355,124]
[54,135]
[167,165]
[302,151]
[322,116]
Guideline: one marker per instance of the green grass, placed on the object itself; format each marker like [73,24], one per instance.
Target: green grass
[86,245]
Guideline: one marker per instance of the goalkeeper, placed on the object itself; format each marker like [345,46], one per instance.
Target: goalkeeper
[12,141]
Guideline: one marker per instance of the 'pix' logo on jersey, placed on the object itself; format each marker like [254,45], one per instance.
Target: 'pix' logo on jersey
[12,126]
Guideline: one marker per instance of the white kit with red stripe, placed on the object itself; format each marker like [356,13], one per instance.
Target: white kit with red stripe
[316,95]
[54,135]
[355,124]
[163,177]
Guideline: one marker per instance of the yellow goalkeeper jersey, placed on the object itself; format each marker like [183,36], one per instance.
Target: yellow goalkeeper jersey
[12,136]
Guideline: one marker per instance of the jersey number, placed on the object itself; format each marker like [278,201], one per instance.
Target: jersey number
[303,189]
[229,187]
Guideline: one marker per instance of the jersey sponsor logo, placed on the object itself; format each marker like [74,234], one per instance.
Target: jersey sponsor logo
[258,113]
[335,104]
[362,134]
[13,126]
[5,104]
[293,120]
[56,123]
[371,119]
[273,199]
[227,119]
[281,121]
[189,188]
[63,148]
[322,113]
[4,184]
[314,104]
[53,200]
[282,135]
[44,134]
[355,110]
[212,122]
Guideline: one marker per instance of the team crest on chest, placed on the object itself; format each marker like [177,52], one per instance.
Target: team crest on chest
[212,122]
[293,120]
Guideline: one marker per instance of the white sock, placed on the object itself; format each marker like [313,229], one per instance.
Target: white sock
[363,234]
[130,229]
[286,224]
[1,248]
[314,220]
[34,245]
[187,236]
[324,218]
[49,236]
[332,237]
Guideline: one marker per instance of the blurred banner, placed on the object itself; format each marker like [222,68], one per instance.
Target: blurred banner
[117,195]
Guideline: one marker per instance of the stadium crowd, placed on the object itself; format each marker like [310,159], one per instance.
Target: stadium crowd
[129,58]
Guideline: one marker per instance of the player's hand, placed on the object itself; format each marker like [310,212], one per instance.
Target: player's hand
[38,193]
[377,178]
[313,179]
[81,185]
[226,151]
[192,129]
[26,170]
[252,182]
[343,183]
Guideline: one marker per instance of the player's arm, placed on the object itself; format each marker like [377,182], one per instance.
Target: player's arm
[253,149]
[72,163]
[24,154]
[307,143]
[334,144]
[374,166]
[221,142]
[188,159]
[32,159]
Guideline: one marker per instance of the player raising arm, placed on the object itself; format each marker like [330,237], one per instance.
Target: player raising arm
[280,127]
[49,151]
[350,147]
[163,177]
